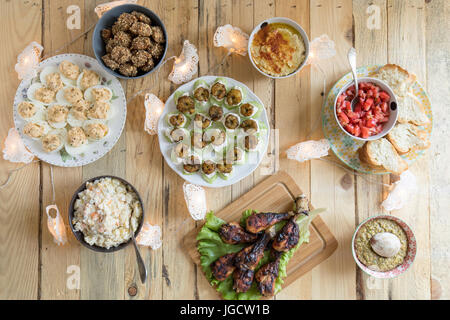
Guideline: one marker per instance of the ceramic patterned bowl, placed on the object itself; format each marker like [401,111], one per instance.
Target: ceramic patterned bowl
[410,253]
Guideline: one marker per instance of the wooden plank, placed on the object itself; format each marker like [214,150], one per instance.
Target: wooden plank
[264,88]
[19,227]
[292,119]
[144,165]
[371,47]
[56,259]
[438,73]
[406,47]
[181,19]
[335,278]
[276,194]
[212,14]
[102,275]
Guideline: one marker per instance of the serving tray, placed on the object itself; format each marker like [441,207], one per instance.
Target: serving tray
[276,194]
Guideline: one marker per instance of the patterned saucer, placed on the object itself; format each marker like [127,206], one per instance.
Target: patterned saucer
[346,148]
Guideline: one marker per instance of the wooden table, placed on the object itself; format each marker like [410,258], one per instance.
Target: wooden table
[413,33]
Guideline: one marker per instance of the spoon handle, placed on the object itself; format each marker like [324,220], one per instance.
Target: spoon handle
[352,61]
[140,262]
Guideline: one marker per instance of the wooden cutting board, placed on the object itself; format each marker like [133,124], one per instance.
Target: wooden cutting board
[276,194]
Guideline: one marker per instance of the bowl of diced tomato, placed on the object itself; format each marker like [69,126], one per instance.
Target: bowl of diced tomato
[374,115]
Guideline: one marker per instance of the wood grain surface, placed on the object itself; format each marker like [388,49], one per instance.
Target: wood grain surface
[412,33]
[276,194]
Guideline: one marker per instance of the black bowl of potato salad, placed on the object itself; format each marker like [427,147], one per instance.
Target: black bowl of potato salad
[103,213]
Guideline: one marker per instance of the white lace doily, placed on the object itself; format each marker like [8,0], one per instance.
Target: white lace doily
[231,38]
[15,150]
[321,48]
[150,236]
[308,150]
[402,192]
[186,65]
[28,61]
[102,8]
[153,109]
[195,197]
[56,226]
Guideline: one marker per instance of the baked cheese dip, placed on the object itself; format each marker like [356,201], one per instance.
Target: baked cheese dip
[103,211]
[278,49]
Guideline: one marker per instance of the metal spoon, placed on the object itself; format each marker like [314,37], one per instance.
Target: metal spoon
[352,61]
[140,261]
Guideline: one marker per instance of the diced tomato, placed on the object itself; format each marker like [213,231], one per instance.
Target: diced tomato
[365,133]
[384,96]
[370,113]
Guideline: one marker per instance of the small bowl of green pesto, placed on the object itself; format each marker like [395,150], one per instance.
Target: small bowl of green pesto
[384,246]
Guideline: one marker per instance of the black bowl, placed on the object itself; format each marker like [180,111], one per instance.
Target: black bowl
[108,19]
[79,235]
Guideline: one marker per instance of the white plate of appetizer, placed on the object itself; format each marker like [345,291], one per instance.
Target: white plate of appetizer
[213,131]
[72,113]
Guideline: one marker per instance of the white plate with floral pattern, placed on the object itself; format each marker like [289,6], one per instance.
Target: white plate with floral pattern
[116,124]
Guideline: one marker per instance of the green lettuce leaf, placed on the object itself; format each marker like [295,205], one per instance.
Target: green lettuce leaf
[211,247]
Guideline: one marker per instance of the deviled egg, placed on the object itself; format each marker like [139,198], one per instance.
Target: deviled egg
[98,93]
[96,130]
[57,116]
[69,95]
[54,140]
[76,142]
[100,110]
[36,129]
[78,114]
[51,78]
[31,111]
[87,79]
[69,72]
[37,92]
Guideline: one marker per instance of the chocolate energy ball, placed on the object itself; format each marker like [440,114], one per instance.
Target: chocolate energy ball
[141,29]
[106,34]
[140,58]
[109,62]
[156,50]
[121,54]
[125,21]
[141,17]
[149,65]
[128,70]
[110,45]
[123,39]
[140,43]
[158,34]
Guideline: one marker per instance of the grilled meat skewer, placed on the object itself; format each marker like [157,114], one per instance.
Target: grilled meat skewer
[258,222]
[223,267]
[266,276]
[233,233]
